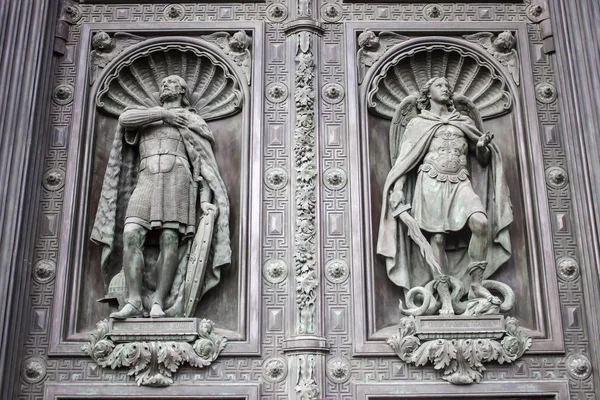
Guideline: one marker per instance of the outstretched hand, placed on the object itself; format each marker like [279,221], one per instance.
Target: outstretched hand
[485,139]
[178,119]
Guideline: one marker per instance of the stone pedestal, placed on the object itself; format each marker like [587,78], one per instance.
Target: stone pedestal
[153,349]
[459,344]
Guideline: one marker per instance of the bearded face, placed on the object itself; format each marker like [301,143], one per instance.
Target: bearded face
[170,90]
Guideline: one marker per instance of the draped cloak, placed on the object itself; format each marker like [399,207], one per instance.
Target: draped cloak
[405,265]
[119,182]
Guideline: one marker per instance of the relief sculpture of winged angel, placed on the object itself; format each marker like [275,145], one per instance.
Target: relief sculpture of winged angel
[106,48]
[446,206]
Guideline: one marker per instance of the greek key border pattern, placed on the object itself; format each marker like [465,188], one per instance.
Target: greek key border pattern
[333,153]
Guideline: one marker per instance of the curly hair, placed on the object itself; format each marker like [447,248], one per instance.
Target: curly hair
[423,102]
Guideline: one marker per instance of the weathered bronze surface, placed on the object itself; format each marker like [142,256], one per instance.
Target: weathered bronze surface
[303,101]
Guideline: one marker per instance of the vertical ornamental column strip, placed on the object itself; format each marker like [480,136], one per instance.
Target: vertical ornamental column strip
[306,346]
[306,172]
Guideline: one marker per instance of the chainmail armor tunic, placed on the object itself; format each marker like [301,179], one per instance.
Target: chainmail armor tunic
[165,194]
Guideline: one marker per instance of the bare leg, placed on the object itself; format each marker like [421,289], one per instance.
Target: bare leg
[478,248]
[167,267]
[134,236]
[438,245]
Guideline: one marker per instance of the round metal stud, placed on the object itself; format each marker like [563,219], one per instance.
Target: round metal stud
[335,178]
[338,370]
[275,271]
[63,94]
[53,179]
[174,12]
[33,370]
[579,366]
[545,92]
[276,178]
[333,93]
[274,369]
[44,271]
[276,92]
[433,12]
[337,271]
[331,13]
[567,269]
[277,12]
[557,177]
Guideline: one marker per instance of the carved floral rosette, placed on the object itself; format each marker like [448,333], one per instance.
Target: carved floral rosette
[153,363]
[460,356]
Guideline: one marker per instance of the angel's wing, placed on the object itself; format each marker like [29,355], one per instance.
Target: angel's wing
[406,111]
[124,40]
[95,64]
[388,39]
[246,63]
[511,61]
[482,38]
[221,39]
[466,107]
[364,62]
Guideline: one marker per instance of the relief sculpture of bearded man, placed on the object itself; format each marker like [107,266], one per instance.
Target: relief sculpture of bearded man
[161,180]
[446,212]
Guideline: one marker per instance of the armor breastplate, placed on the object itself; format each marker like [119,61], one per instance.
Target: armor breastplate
[161,146]
[447,155]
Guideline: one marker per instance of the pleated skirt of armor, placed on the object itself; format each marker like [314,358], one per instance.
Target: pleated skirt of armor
[441,207]
[164,200]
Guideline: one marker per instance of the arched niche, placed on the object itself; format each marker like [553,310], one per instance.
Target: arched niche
[221,96]
[478,76]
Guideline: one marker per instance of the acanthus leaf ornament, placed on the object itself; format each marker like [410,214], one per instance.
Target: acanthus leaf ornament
[153,358]
[456,349]
[236,47]
[372,47]
[502,47]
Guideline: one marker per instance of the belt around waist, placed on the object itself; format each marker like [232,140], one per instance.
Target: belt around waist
[428,167]
[163,152]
